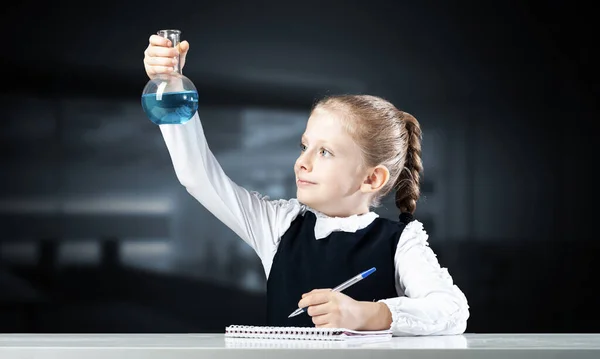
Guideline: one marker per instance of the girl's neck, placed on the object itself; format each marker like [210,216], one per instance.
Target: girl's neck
[342,213]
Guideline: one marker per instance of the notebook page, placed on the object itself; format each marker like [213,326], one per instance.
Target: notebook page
[310,333]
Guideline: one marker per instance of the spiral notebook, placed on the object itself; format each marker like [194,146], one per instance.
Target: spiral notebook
[306,333]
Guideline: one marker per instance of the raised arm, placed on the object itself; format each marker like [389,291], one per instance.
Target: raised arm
[258,221]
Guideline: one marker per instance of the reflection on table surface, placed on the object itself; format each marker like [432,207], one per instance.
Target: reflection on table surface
[219,341]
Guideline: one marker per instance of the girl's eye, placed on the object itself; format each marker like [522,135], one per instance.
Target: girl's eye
[302,147]
[325,153]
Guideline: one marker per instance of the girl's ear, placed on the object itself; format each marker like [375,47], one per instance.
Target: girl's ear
[376,178]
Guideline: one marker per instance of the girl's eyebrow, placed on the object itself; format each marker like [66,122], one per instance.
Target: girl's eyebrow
[327,144]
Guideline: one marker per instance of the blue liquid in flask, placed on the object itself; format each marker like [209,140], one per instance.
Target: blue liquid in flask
[171,108]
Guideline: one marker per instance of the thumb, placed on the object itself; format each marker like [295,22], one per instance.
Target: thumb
[183,48]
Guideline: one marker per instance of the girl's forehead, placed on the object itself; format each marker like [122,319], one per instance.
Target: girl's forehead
[324,120]
[326,127]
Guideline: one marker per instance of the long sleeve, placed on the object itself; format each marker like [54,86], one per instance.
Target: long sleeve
[258,221]
[429,303]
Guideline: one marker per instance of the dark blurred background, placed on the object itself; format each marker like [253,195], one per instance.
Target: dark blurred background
[97,235]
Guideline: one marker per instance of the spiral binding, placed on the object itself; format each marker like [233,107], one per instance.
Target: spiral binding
[311,333]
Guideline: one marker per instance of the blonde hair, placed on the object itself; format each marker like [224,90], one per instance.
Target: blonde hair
[386,136]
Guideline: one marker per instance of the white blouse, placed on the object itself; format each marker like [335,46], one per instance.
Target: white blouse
[428,302]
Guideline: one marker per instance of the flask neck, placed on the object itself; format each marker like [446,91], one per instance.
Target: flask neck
[174,37]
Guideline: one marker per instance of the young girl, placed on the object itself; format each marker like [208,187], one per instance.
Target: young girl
[355,150]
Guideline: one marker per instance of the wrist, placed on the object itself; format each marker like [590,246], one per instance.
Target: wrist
[377,316]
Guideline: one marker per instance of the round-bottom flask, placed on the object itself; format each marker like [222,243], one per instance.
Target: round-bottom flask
[170,98]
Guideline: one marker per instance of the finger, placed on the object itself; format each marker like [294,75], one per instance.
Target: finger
[316,291]
[160,61]
[320,309]
[155,70]
[184,46]
[160,51]
[314,299]
[158,40]
[321,320]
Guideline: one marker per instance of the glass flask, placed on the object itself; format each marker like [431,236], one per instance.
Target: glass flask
[170,98]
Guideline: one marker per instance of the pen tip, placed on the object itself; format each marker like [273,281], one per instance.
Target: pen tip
[295,313]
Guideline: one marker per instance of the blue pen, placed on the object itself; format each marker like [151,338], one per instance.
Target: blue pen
[340,288]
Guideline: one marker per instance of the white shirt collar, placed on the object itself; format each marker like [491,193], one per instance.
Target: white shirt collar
[325,225]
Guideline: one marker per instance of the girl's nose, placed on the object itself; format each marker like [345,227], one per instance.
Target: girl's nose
[304,162]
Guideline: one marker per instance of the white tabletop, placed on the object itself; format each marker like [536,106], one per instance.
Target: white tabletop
[179,346]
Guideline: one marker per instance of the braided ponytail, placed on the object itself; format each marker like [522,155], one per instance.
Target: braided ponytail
[408,184]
